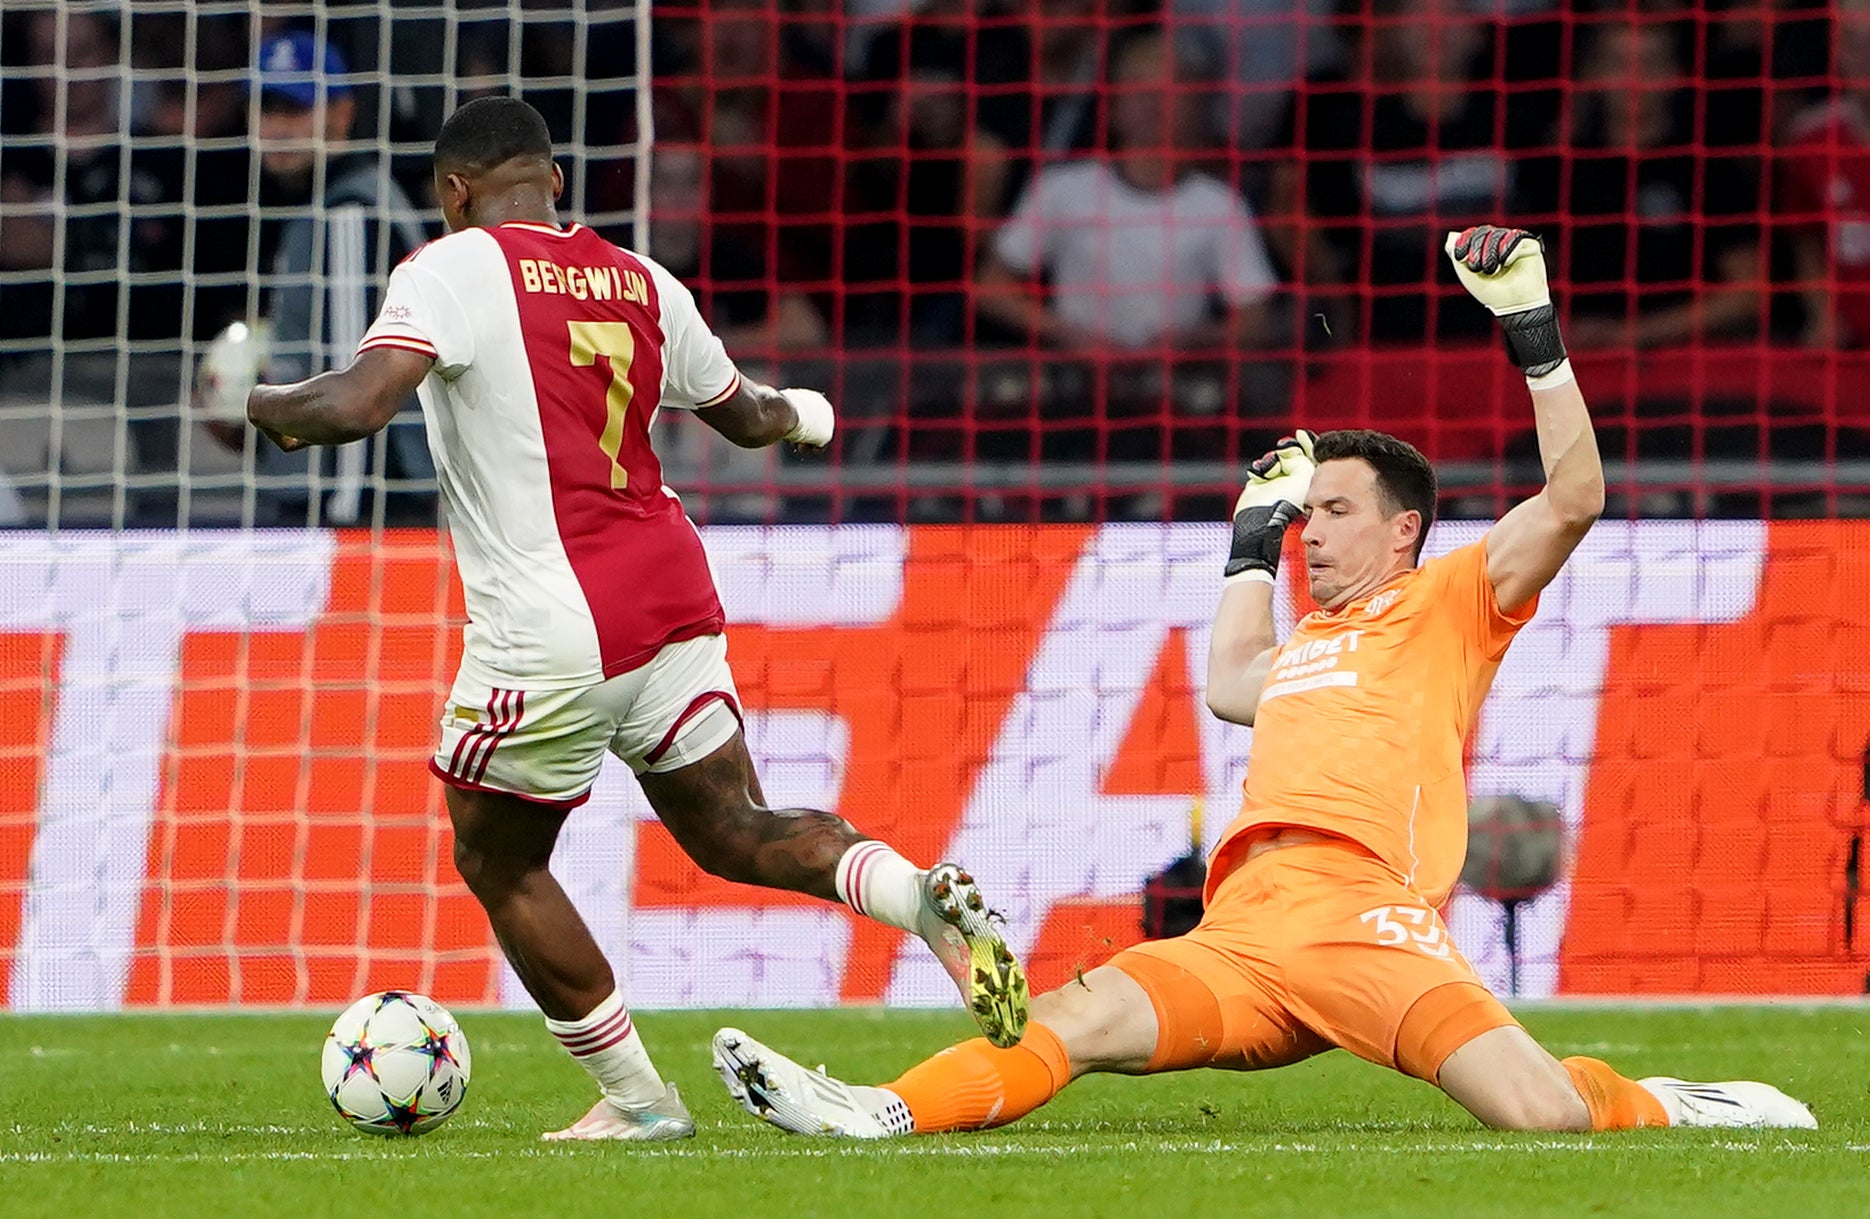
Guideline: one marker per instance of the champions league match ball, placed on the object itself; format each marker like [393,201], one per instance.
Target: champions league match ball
[395,1064]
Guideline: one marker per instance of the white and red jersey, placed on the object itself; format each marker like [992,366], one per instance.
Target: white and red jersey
[1826,179]
[553,351]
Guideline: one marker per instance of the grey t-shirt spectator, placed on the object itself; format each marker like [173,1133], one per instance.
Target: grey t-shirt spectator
[1136,267]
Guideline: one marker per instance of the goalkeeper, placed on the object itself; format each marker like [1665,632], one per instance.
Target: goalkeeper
[1321,928]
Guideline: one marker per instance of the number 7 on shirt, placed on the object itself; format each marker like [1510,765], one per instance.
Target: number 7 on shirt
[614,340]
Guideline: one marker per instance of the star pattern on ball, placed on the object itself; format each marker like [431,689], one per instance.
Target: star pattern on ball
[359,1056]
[437,1047]
[403,1116]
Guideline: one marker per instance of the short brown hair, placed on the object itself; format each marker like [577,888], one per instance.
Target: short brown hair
[1405,478]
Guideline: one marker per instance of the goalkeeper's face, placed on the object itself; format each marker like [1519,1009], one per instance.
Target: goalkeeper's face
[1355,538]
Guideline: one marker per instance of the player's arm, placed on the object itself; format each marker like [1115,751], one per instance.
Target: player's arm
[340,406]
[755,416]
[1240,648]
[1505,270]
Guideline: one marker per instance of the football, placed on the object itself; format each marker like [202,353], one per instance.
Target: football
[395,1064]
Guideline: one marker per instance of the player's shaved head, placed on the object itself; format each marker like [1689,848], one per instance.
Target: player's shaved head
[487,133]
[493,163]
[1404,477]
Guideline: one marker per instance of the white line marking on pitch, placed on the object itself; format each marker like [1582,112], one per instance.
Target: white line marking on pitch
[936,1150]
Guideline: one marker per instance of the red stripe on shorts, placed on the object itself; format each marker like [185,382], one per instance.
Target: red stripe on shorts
[515,708]
[483,732]
[472,734]
[688,713]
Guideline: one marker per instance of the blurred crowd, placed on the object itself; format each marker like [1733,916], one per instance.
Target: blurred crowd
[1235,184]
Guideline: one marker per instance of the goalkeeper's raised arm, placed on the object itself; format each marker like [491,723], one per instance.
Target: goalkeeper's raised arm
[1504,269]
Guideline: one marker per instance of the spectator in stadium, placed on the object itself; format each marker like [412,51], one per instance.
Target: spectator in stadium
[1140,247]
[750,310]
[1824,191]
[773,129]
[334,224]
[929,187]
[1267,47]
[1034,69]
[1039,67]
[96,196]
[1661,241]
[1402,146]
[1762,63]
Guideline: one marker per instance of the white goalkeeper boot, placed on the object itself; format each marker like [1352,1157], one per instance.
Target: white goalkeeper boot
[659,1122]
[1736,1103]
[782,1093]
[959,929]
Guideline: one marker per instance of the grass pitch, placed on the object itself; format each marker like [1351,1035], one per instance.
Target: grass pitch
[156,1116]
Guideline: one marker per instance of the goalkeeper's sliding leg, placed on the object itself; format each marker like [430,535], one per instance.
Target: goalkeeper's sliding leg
[1251,988]
[1105,1024]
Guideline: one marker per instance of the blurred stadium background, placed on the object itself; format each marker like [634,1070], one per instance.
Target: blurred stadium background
[1062,264]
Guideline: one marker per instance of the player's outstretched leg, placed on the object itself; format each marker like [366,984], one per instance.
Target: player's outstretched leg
[717,813]
[1509,1081]
[1105,1023]
[502,847]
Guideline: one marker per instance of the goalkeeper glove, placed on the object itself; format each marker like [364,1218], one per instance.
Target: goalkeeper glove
[1504,269]
[816,419]
[1273,498]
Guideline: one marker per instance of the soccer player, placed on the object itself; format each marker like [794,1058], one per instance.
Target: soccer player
[1321,926]
[541,352]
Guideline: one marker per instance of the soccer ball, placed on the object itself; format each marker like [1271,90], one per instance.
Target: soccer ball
[396,1063]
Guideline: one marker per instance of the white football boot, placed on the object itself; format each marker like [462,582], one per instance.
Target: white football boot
[654,1123]
[794,1098]
[1736,1103]
[957,925]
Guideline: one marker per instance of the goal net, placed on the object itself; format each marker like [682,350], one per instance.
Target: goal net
[1062,267]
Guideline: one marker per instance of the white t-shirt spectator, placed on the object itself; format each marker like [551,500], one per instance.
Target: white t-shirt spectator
[1137,267]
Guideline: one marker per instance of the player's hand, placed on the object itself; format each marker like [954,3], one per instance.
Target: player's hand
[1273,498]
[817,421]
[1504,269]
[229,370]
[286,443]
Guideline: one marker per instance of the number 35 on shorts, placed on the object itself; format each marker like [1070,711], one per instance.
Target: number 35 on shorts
[1409,926]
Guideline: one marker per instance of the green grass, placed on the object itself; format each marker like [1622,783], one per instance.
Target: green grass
[156,1116]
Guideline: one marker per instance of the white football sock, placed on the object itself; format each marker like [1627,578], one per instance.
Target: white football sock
[878,883]
[605,1044]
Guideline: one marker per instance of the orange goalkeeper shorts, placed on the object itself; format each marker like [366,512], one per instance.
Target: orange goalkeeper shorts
[1306,947]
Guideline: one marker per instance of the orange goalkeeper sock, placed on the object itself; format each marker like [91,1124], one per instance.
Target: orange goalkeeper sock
[1615,1103]
[973,1086]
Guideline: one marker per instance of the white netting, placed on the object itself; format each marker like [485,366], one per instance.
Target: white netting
[145,201]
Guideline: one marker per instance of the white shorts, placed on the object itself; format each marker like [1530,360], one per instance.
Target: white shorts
[547,745]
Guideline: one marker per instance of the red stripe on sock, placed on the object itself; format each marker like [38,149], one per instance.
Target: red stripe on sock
[622,1036]
[855,888]
[583,1037]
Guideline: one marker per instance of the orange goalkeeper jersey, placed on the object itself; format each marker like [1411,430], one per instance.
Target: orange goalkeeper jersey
[1362,721]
